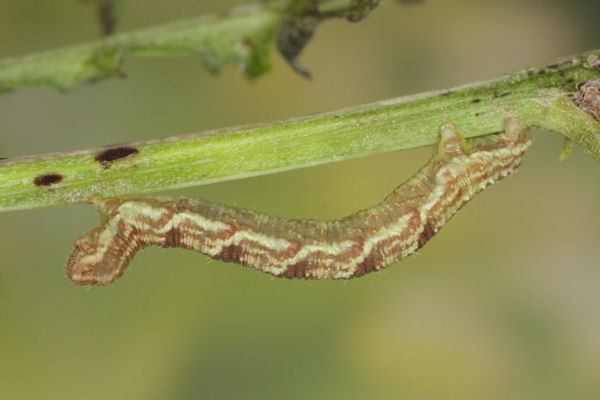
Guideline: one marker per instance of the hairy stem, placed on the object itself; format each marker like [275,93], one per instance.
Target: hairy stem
[540,96]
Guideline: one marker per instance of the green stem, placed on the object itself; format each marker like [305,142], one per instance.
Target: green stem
[540,96]
[243,38]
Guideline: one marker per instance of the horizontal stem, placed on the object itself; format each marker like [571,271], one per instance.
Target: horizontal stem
[540,96]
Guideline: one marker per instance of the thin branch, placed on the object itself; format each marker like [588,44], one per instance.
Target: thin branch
[243,37]
[541,96]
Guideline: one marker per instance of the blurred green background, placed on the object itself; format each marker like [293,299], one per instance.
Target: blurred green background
[502,304]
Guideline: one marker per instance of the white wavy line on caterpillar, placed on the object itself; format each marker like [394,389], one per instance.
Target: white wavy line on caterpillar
[367,240]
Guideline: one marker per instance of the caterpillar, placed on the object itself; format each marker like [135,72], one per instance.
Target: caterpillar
[365,241]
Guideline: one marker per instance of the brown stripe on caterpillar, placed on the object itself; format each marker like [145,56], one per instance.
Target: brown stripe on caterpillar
[367,240]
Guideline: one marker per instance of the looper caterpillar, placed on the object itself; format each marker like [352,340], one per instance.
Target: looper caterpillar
[367,240]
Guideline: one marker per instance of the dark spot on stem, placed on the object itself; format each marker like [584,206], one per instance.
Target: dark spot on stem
[533,72]
[247,42]
[47,180]
[503,94]
[475,101]
[108,156]
[552,66]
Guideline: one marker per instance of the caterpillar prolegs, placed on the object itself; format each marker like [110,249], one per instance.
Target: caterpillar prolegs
[368,240]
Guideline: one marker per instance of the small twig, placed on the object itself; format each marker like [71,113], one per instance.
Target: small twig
[243,37]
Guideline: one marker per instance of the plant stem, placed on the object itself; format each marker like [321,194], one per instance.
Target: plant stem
[539,96]
[243,38]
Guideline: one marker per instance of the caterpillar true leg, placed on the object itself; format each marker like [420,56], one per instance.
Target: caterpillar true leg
[367,240]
